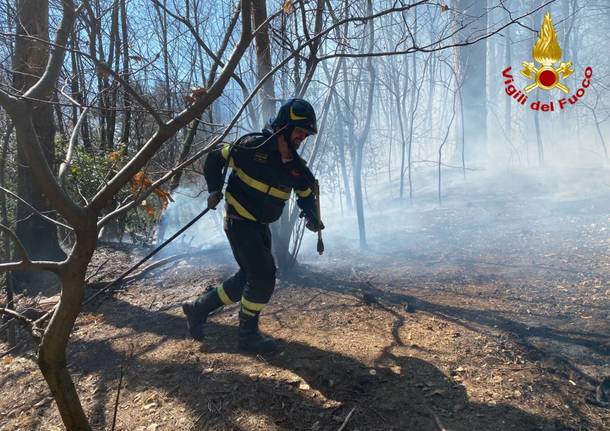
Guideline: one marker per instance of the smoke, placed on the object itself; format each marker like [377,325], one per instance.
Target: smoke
[206,234]
[514,216]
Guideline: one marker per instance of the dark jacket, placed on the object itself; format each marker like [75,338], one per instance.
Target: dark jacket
[260,183]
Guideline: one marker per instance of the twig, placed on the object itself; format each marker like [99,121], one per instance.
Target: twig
[17,316]
[118,394]
[197,420]
[32,325]
[148,256]
[12,349]
[347,418]
[97,270]
[23,201]
[21,251]
[6,323]
[436,419]
[161,263]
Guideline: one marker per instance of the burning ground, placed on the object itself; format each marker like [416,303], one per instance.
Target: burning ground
[491,312]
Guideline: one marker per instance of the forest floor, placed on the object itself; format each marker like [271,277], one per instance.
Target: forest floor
[491,312]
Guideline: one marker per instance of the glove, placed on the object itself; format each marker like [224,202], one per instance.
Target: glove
[214,199]
[312,223]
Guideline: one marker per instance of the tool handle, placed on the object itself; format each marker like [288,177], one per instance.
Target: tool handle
[316,191]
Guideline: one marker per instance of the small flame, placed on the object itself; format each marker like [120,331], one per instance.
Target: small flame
[547,50]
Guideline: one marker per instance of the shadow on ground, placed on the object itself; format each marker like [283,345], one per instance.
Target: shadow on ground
[405,392]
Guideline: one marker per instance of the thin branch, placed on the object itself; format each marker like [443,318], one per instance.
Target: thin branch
[18,316]
[35,330]
[23,201]
[433,47]
[43,88]
[25,262]
[133,93]
[66,163]
[34,265]
[347,418]
[118,395]
[103,67]
[217,60]
[182,119]
[7,101]
[21,251]
[12,349]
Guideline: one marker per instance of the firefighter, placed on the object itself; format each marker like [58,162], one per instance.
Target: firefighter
[265,169]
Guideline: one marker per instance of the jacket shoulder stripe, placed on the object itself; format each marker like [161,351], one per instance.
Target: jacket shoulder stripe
[239,207]
[260,186]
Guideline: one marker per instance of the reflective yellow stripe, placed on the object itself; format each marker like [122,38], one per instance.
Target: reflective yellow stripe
[261,187]
[254,306]
[238,207]
[303,193]
[249,313]
[225,151]
[223,295]
[225,154]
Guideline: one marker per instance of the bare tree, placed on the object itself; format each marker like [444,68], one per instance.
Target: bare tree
[84,219]
[38,236]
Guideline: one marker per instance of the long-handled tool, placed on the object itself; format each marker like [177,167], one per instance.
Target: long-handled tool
[316,191]
[167,241]
[148,256]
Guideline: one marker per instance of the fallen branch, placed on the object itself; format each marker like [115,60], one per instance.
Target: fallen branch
[437,420]
[347,418]
[97,270]
[6,323]
[162,262]
[18,316]
[147,257]
[118,394]
[12,349]
[31,325]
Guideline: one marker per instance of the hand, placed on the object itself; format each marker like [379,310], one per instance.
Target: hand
[214,199]
[312,223]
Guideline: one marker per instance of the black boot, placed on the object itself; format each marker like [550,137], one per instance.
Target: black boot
[197,312]
[250,338]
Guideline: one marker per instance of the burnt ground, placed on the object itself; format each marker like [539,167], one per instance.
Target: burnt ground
[490,314]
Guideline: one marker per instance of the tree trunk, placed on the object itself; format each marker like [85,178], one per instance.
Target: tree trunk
[412,110]
[507,100]
[343,165]
[126,97]
[263,58]
[76,85]
[6,241]
[473,76]
[37,234]
[52,352]
[363,134]
[600,134]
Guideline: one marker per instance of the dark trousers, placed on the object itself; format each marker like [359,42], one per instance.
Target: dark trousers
[254,283]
